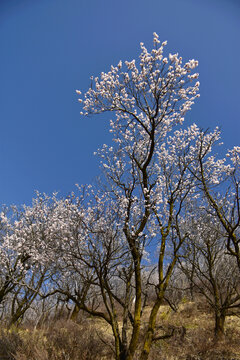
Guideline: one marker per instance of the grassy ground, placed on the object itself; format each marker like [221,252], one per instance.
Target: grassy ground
[193,338]
[90,339]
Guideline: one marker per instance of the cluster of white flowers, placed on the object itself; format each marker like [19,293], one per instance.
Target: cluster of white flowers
[234,156]
[145,92]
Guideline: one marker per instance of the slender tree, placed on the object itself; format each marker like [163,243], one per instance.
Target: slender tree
[147,170]
[219,181]
[215,274]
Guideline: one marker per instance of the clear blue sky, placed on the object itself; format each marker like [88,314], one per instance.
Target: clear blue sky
[49,48]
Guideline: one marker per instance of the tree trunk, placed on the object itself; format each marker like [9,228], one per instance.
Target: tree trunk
[74,313]
[219,325]
[123,352]
[150,330]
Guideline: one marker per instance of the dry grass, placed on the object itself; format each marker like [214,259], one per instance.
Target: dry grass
[63,340]
[91,339]
[193,338]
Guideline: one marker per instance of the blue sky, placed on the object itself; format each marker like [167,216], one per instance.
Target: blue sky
[49,48]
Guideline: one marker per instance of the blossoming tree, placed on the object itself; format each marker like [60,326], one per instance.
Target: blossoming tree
[147,170]
[22,274]
[210,269]
[219,181]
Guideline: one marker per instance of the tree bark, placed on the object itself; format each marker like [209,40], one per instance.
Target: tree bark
[151,328]
[75,313]
[219,325]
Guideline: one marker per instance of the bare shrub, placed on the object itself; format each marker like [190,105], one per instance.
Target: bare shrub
[9,342]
